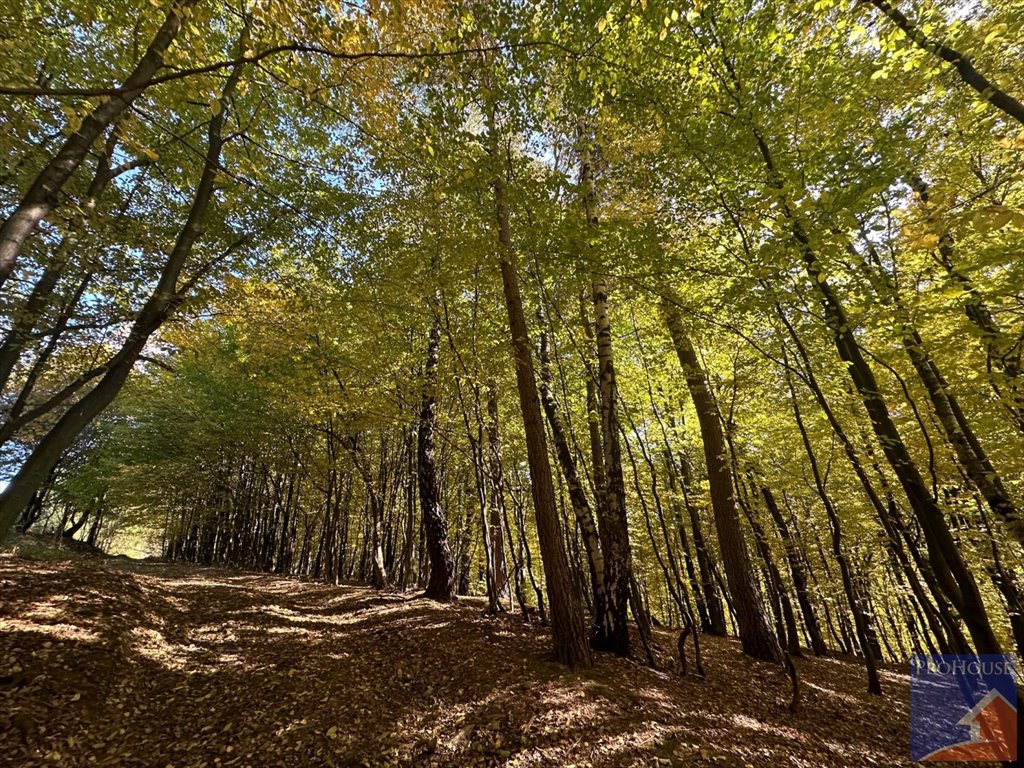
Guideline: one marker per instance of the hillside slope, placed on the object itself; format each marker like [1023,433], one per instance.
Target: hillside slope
[104,663]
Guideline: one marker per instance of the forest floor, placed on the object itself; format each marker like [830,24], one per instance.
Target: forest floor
[106,662]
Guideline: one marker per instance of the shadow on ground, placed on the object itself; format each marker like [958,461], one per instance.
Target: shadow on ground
[104,663]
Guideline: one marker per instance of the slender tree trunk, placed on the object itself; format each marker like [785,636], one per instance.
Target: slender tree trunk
[161,303]
[957,580]
[961,436]
[790,636]
[959,432]
[756,634]
[883,510]
[375,506]
[860,620]
[593,412]
[684,541]
[709,607]
[797,573]
[496,505]
[962,63]
[1003,352]
[705,563]
[441,585]
[27,316]
[577,496]
[568,627]
[411,481]
[614,631]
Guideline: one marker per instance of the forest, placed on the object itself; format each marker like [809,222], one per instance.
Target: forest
[656,365]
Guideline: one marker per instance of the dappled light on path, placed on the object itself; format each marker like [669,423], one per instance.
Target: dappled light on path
[116,664]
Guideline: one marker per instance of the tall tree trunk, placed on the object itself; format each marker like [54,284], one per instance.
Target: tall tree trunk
[411,481]
[593,410]
[885,512]
[860,619]
[797,573]
[957,580]
[577,496]
[441,585]
[372,549]
[959,432]
[496,502]
[569,633]
[705,563]
[790,637]
[756,634]
[161,303]
[27,315]
[962,63]
[613,631]
[1003,352]
[709,607]
[961,436]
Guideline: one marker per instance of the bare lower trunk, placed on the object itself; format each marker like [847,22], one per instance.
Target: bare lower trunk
[496,504]
[441,585]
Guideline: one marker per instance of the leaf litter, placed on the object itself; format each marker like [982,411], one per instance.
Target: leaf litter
[107,663]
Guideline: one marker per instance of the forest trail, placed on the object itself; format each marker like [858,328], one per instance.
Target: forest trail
[114,663]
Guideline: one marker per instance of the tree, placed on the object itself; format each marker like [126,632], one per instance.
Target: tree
[755,631]
[441,585]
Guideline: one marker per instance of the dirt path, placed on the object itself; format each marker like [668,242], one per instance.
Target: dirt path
[103,664]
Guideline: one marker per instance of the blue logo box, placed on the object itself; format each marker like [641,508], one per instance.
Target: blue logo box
[963,707]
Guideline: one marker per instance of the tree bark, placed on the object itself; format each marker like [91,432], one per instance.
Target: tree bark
[1002,350]
[577,496]
[614,630]
[853,598]
[496,503]
[797,573]
[27,316]
[988,90]
[958,581]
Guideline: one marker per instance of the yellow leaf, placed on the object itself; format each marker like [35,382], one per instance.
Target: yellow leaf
[997,30]
[926,242]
